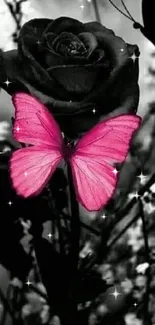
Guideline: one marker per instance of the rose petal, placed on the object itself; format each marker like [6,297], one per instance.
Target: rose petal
[89,41]
[62,24]
[53,60]
[49,38]
[115,47]
[98,55]
[97,27]
[83,83]
[34,27]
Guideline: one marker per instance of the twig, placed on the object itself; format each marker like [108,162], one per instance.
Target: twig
[84,225]
[119,215]
[38,291]
[7,306]
[96,9]
[147,258]
[16,12]
[123,231]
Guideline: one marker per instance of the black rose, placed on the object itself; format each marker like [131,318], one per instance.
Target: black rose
[82,72]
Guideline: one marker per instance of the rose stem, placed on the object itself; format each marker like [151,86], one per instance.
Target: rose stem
[75,238]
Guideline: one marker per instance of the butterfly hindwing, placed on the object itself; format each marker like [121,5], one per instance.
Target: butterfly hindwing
[31,169]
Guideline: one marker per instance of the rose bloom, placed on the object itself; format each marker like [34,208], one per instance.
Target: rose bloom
[82,72]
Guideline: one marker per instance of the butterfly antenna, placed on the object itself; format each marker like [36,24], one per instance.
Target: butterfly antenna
[127,14]
[127,11]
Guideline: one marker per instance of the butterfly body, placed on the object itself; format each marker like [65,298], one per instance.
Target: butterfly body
[92,159]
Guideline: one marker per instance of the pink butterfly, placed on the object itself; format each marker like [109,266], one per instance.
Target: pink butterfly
[91,159]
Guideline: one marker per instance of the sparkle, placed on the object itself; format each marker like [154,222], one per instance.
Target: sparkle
[10,203]
[133,57]
[49,235]
[7,82]
[103,216]
[82,7]
[94,110]
[38,42]
[17,128]
[135,304]
[122,50]
[28,283]
[115,294]
[132,195]
[142,178]
[25,173]
[70,101]
[115,171]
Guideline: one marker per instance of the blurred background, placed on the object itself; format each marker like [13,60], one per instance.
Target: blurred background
[129,251]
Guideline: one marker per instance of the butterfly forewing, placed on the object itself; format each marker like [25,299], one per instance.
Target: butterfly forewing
[33,122]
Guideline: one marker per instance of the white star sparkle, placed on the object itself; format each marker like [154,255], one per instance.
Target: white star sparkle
[115,294]
[82,7]
[25,173]
[7,82]
[10,203]
[17,128]
[38,42]
[135,304]
[28,283]
[103,216]
[115,171]
[94,110]
[133,57]
[142,178]
[49,235]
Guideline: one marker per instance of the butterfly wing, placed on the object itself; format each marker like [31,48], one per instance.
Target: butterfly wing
[31,169]
[94,156]
[33,122]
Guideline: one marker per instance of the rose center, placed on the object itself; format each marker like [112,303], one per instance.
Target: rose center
[73,48]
